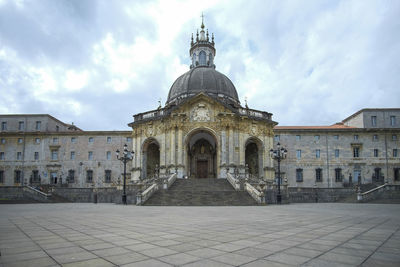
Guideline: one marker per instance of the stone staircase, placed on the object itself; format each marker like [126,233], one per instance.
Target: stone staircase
[200,192]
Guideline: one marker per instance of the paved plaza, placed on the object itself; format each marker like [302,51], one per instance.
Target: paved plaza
[115,235]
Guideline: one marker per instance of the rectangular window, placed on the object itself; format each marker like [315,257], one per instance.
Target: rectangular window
[373,121]
[392,120]
[17,176]
[376,153]
[298,154]
[336,137]
[89,176]
[2,157]
[277,138]
[336,153]
[396,174]
[20,140]
[129,139]
[107,178]
[356,152]
[73,140]
[72,156]
[338,175]
[38,125]
[55,140]
[3,140]
[91,139]
[19,155]
[108,155]
[4,126]
[54,154]
[90,155]
[394,137]
[355,137]
[21,126]
[299,175]
[317,153]
[316,137]
[318,175]
[375,137]
[298,137]
[36,157]
[108,139]
[71,176]
[37,140]
[35,176]
[1,177]
[395,153]
[57,128]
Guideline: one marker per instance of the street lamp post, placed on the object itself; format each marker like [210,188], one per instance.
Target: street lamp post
[126,156]
[278,154]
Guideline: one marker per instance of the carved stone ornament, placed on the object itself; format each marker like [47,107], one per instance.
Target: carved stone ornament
[254,130]
[200,113]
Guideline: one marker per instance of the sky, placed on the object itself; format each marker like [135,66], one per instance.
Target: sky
[97,63]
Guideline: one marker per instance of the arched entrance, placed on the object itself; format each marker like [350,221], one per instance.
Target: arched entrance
[151,158]
[253,157]
[202,155]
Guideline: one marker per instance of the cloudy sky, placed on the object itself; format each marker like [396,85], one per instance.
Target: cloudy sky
[96,63]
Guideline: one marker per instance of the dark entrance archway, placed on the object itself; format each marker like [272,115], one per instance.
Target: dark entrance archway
[253,157]
[151,158]
[202,156]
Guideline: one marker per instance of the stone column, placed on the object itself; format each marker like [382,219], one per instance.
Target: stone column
[162,154]
[223,155]
[180,153]
[172,146]
[230,149]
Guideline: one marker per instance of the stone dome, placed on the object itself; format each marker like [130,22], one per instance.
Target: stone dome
[203,79]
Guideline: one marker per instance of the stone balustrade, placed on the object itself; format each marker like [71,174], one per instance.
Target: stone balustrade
[254,193]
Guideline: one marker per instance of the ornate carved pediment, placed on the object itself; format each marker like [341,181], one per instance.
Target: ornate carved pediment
[200,113]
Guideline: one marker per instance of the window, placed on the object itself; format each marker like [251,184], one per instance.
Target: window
[356,152]
[318,175]
[392,120]
[355,137]
[396,174]
[211,58]
[376,153]
[36,157]
[129,139]
[299,175]
[17,176]
[89,176]
[375,137]
[20,140]
[38,125]
[1,177]
[19,155]
[202,58]
[3,141]
[73,140]
[107,176]
[71,176]
[298,154]
[108,139]
[336,137]
[298,137]
[108,155]
[55,140]
[395,153]
[316,137]
[336,153]
[2,157]
[37,140]
[377,174]
[338,175]
[90,155]
[4,126]
[57,128]
[35,176]
[277,138]
[91,139]
[394,137]
[373,121]
[72,156]
[54,154]
[21,126]
[317,153]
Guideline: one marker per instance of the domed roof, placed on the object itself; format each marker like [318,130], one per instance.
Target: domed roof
[203,79]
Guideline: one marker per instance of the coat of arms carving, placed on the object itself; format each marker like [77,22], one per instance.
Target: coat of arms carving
[200,113]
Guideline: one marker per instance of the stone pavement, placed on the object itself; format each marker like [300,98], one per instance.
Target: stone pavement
[77,234]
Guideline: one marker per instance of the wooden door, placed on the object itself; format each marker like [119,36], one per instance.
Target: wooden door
[202,169]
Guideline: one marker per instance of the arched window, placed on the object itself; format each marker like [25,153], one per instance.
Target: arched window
[202,58]
[194,59]
[211,59]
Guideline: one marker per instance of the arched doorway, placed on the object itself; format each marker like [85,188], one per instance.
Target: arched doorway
[253,157]
[151,158]
[202,155]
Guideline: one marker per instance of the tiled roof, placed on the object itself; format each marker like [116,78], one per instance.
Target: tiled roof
[334,126]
